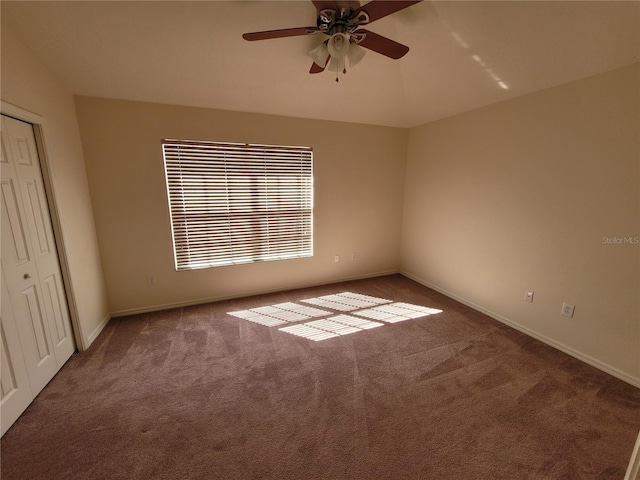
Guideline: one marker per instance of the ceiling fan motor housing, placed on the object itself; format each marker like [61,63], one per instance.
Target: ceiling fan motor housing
[331,22]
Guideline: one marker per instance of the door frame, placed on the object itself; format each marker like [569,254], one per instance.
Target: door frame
[39,131]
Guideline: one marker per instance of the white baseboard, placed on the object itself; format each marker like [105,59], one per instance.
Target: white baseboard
[96,331]
[199,301]
[557,345]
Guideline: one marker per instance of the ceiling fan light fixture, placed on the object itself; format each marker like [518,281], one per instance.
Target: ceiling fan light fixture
[320,54]
[338,45]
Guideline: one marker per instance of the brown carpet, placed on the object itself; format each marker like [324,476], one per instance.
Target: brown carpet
[194,393]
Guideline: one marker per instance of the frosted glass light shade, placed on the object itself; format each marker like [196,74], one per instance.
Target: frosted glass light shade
[320,54]
[355,54]
[338,45]
[336,64]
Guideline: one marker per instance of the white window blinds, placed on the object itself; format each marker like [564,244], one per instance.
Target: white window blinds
[237,203]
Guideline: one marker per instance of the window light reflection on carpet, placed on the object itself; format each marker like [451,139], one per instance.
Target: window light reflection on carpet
[397,312]
[319,324]
[330,327]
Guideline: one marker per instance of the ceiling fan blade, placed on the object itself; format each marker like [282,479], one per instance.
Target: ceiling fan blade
[382,45]
[348,4]
[377,9]
[315,68]
[283,32]
[325,4]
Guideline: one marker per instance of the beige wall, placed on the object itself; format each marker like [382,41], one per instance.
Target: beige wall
[358,180]
[27,84]
[518,196]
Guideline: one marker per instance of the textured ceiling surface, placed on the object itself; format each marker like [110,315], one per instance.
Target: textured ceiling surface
[463,55]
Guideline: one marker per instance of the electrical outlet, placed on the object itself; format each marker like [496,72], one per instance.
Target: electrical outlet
[567,310]
[528,297]
[336,258]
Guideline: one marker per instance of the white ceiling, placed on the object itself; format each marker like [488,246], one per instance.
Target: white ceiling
[192,53]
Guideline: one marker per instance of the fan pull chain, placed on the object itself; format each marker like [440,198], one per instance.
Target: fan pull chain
[344,70]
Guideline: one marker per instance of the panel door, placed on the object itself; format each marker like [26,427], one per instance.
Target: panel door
[29,259]
[15,391]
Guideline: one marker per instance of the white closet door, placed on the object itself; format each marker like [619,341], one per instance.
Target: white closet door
[30,261]
[14,381]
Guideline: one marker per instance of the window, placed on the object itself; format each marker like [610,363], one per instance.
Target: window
[238,203]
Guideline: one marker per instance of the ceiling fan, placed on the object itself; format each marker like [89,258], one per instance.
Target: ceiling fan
[342,22]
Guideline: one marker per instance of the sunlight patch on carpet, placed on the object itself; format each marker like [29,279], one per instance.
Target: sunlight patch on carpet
[309,322]
[397,312]
[309,332]
[280,314]
[346,301]
[330,327]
